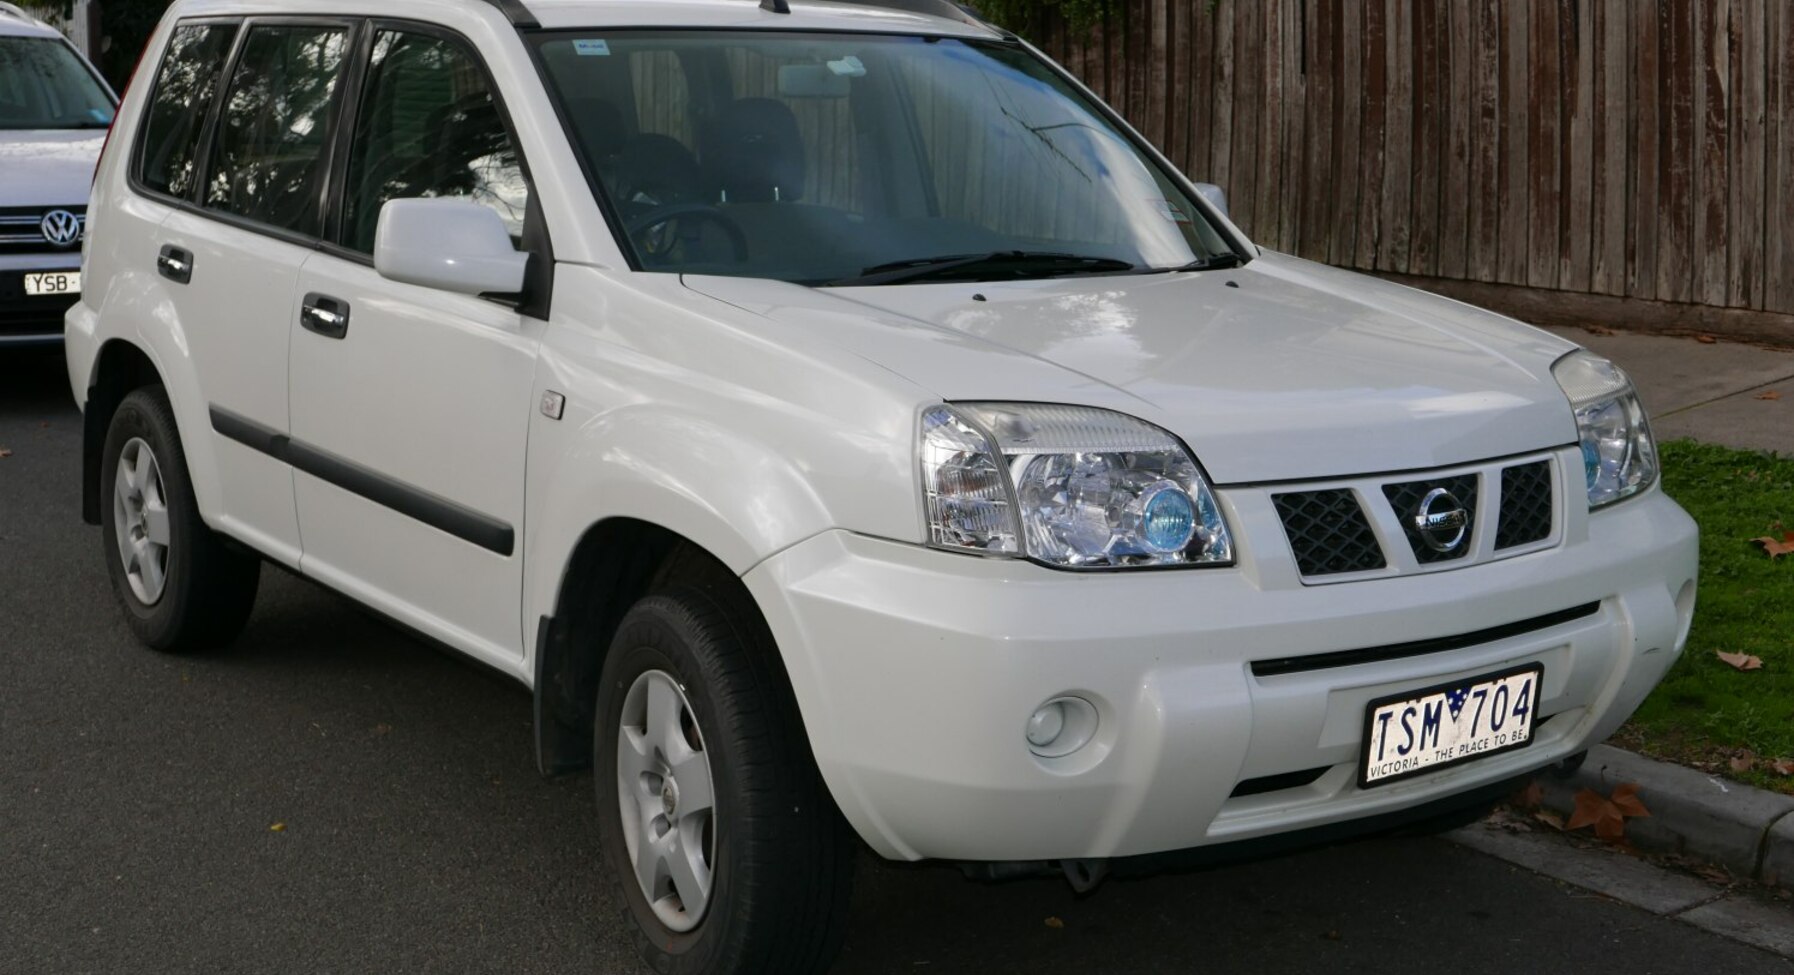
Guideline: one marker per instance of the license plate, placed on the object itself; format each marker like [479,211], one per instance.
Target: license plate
[53,283]
[1423,731]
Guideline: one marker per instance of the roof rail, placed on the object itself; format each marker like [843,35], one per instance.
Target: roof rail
[514,11]
[945,9]
[14,10]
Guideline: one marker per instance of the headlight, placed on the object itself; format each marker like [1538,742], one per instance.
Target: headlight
[1067,486]
[1618,455]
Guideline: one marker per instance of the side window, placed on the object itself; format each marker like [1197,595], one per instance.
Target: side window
[178,105]
[274,129]
[429,126]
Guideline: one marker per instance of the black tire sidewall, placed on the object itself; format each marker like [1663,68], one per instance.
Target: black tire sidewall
[656,635]
[146,415]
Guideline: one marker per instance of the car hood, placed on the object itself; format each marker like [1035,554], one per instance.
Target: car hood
[48,168]
[1279,370]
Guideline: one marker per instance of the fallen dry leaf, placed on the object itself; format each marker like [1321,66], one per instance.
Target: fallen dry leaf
[1771,394]
[1705,339]
[1743,763]
[382,729]
[1740,661]
[4,453]
[278,828]
[1550,819]
[1783,766]
[1713,874]
[1607,815]
[1530,797]
[1597,330]
[1774,547]
[1053,922]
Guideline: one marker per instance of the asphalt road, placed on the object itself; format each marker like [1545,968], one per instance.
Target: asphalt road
[138,792]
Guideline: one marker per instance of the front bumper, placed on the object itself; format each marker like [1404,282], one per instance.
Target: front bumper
[916,671]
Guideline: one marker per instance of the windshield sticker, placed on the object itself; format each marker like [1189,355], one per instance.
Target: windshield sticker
[592,48]
[848,67]
[1171,211]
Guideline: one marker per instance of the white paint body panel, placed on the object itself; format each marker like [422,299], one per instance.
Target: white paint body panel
[775,426]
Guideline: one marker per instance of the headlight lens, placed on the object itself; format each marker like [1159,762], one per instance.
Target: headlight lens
[1068,486]
[1619,457]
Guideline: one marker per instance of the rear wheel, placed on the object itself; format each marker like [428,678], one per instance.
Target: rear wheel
[182,587]
[728,851]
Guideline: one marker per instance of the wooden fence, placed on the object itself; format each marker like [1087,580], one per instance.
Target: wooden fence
[1560,159]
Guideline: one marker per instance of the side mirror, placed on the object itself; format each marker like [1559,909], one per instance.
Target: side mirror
[450,245]
[1216,196]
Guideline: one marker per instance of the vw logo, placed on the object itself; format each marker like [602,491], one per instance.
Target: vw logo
[61,227]
[1442,523]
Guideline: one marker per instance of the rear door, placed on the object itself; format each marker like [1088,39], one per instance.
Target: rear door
[412,405]
[244,216]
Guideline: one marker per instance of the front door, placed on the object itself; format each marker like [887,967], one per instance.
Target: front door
[411,406]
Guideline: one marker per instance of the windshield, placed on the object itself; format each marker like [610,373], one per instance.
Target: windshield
[44,85]
[831,158]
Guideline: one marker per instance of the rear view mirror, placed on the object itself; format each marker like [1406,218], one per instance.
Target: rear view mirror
[450,245]
[828,80]
[1216,196]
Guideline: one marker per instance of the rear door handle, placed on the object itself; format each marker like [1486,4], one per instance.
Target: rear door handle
[325,315]
[175,264]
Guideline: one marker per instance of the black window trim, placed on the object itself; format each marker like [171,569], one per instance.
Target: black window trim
[537,242]
[140,138]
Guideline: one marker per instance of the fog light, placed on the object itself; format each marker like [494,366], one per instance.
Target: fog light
[1045,724]
[1061,726]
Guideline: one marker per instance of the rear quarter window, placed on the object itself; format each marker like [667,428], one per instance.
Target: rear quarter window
[175,118]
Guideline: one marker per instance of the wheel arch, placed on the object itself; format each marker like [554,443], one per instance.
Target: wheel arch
[616,562]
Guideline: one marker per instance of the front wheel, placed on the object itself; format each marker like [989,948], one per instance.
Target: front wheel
[181,585]
[728,851]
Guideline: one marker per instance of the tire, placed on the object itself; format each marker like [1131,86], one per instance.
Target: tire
[182,587]
[779,856]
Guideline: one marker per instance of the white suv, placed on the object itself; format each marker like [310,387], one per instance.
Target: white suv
[847,426]
[54,112]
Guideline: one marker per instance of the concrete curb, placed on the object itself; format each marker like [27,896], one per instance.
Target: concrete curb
[1747,830]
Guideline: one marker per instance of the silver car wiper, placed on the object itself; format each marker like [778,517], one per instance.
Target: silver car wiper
[1018,264]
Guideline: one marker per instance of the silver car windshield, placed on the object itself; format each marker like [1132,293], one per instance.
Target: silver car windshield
[836,159]
[44,85]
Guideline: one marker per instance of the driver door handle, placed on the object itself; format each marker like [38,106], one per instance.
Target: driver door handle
[325,315]
[175,264]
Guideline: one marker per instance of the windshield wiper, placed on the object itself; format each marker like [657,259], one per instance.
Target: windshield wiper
[1006,264]
[1215,262]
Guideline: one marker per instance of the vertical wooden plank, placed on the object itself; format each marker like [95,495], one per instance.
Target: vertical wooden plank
[1576,158]
[1487,169]
[1458,61]
[1348,96]
[1749,75]
[1321,177]
[1398,138]
[1140,63]
[1182,85]
[1712,175]
[1544,197]
[1202,102]
[1247,111]
[1646,141]
[1269,170]
[1778,190]
[1613,107]
[1516,89]
[1677,25]
[1291,144]
[1221,148]
[1428,135]
[1158,75]
[1373,147]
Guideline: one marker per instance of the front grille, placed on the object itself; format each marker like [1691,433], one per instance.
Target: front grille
[1328,532]
[1526,514]
[21,230]
[1417,648]
[1407,499]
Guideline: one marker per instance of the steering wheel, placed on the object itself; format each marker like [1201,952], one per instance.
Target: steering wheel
[661,229]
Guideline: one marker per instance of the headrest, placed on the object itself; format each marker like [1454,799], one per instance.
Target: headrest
[754,153]
[658,169]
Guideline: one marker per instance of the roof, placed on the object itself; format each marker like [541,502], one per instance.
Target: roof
[15,21]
